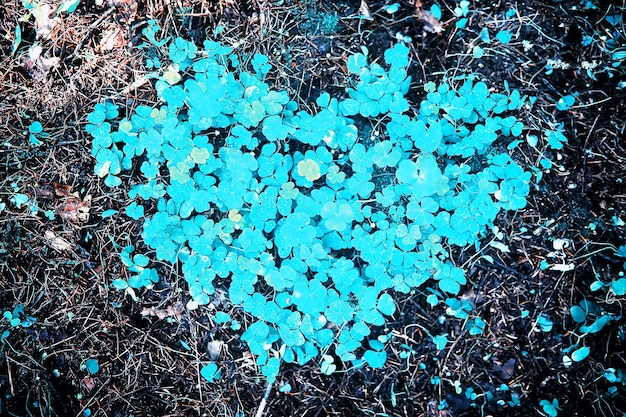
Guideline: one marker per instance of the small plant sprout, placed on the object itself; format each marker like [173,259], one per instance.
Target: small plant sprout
[551,408]
[211,372]
[92,366]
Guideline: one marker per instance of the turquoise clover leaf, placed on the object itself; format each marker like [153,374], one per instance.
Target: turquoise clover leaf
[372,307]
[550,408]
[310,296]
[134,211]
[397,56]
[450,278]
[337,215]
[357,62]
[261,65]
[424,176]
[275,129]
[309,169]
[211,372]
[425,139]
[386,155]
[289,191]
[375,359]
[422,213]
[307,218]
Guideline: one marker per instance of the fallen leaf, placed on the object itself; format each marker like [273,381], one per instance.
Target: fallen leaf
[43,24]
[431,23]
[365,10]
[75,210]
[57,243]
[111,39]
[39,66]
[432,410]
[120,3]
[63,190]
[89,384]
[171,311]
[213,348]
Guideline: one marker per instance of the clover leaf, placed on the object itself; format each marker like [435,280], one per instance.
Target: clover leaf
[211,372]
[309,169]
[337,216]
[92,366]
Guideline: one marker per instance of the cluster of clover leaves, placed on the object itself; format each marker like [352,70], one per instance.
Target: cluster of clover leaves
[310,226]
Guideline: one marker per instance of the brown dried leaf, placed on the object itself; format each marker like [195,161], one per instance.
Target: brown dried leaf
[63,190]
[57,243]
[89,384]
[505,371]
[43,24]
[37,65]
[120,3]
[431,23]
[75,210]
[112,38]
[171,311]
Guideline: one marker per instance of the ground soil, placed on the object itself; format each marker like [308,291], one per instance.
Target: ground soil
[150,351]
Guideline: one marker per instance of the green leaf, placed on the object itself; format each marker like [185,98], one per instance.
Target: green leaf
[544,322]
[386,305]
[18,39]
[550,408]
[92,366]
[619,286]
[375,359]
[211,372]
[309,169]
[35,127]
[484,35]
[19,200]
[578,314]
[436,11]
[504,36]
[68,6]
[440,341]
[580,354]
[349,107]
[565,103]
[120,284]
[597,325]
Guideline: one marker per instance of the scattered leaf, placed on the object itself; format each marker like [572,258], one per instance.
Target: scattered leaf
[505,371]
[365,10]
[112,38]
[43,24]
[429,19]
[57,243]
[68,6]
[75,210]
[175,310]
[92,366]
[63,190]
[580,354]
[89,383]
[18,39]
